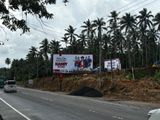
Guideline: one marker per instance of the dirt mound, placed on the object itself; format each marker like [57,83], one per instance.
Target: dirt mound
[87,91]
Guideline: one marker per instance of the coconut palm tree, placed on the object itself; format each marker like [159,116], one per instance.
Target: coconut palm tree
[113,29]
[65,40]
[8,61]
[144,19]
[113,18]
[88,28]
[144,23]
[54,46]
[156,21]
[44,48]
[100,25]
[128,24]
[153,38]
[106,42]
[32,60]
[89,31]
[82,42]
[71,35]
[32,53]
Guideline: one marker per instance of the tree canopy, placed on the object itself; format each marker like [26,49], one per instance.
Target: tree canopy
[36,8]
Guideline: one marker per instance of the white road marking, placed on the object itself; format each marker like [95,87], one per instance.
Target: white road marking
[92,111]
[25,93]
[47,99]
[117,117]
[15,109]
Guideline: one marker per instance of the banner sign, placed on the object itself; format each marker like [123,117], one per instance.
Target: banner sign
[70,63]
[116,64]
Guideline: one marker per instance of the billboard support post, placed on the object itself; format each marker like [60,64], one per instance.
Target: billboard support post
[61,76]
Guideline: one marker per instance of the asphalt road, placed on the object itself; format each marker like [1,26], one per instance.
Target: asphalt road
[29,104]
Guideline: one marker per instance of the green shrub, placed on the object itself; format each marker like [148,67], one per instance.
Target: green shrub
[129,76]
[157,76]
[140,74]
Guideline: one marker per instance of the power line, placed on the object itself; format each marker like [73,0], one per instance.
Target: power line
[140,6]
[124,8]
[37,28]
[134,10]
[133,5]
[129,4]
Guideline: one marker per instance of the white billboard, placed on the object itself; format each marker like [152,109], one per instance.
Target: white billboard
[116,64]
[69,63]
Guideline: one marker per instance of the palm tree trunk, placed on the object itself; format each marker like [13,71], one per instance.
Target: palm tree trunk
[100,51]
[146,54]
[129,58]
[129,52]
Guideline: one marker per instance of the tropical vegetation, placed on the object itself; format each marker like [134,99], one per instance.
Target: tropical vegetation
[134,39]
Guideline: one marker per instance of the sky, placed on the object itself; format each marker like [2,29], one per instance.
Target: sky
[75,13]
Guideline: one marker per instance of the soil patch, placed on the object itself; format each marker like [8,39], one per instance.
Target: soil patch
[87,91]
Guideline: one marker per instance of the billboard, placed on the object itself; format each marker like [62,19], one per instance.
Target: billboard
[116,64]
[70,63]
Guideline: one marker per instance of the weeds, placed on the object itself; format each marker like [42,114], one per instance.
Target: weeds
[157,76]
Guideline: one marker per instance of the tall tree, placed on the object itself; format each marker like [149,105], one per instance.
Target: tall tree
[54,47]
[114,32]
[32,62]
[71,35]
[100,25]
[144,22]
[113,18]
[82,42]
[89,31]
[45,48]
[113,29]
[65,40]
[153,38]
[32,54]
[128,24]
[8,61]
[156,21]
[88,28]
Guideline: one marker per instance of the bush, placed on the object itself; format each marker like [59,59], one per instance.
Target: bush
[129,76]
[157,76]
[140,74]
[74,78]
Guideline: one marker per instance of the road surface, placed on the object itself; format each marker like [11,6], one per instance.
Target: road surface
[28,104]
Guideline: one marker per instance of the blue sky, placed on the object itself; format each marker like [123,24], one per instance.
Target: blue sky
[75,13]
